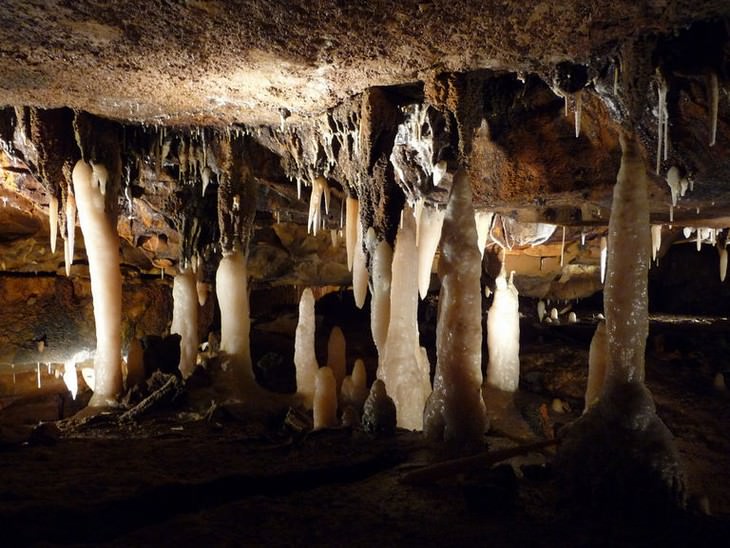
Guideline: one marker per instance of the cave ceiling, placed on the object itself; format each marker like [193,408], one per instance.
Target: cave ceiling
[383,99]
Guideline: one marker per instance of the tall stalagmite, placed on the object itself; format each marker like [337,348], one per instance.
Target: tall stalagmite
[403,365]
[455,411]
[185,319]
[305,359]
[102,248]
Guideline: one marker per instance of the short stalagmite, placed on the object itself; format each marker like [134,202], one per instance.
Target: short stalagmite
[403,366]
[455,411]
[325,399]
[597,362]
[185,319]
[355,387]
[336,355]
[305,360]
[102,248]
[503,337]
[231,283]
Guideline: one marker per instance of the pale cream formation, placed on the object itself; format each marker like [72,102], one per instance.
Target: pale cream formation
[102,250]
[336,355]
[382,260]
[503,336]
[305,360]
[456,411]
[597,365]
[403,366]
[231,284]
[325,399]
[185,319]
[626,290]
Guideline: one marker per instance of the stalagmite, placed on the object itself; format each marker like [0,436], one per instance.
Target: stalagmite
[359,271]
[355,387]
[70,378]
[597,365]
[656,240]
[70,230]
[325,399]
[619,452]
[135,363]
[714,106]
[379,411]
[723,263]
[484,224]
[554,314]
[231,284]
[604,257]
[455,411]
[336,355]
[432,221]
[402,366]
[53,221]
[102,249]
[382,260]
[305,360]
[202,289]
[503,337]
[185,319]
[352,224]
[540,310]
[572,318]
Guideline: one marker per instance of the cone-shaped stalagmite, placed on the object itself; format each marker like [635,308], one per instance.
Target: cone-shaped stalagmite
[455,411]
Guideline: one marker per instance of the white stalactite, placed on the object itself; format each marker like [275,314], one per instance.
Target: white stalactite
[185,320]
[231,281]
[402,366]
[352,224]
[455,411]
[325,399]
[70,242]
[359,270]
[662,121]
[70,378]
[382,260]
[674,182]
[484,224]
[562,248]
[305,360]
[578,112]
[714,106]
[432,221]
[540,310]
[503,337]
[53,221]
[656,240]
[604,257]
[102,249]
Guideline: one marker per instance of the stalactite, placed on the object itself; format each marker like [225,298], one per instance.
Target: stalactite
[714,106]
[578,112]
[305,360]
[723,262]
[352,223]
[540,310]
[382,260]
[102,249]
[53,221]
[403,367]
[662,120]
[70,243]
[673,180]
[604,257]
[484,225]
[562,248]
[359,270]
[656,240]
[432,221]
[455,411]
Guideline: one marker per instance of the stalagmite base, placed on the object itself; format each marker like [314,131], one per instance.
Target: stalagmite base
[620,454]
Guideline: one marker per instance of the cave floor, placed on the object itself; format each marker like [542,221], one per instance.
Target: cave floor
[176,478]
